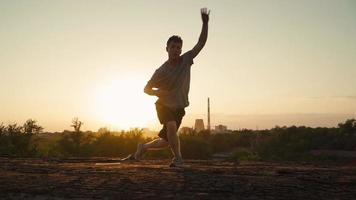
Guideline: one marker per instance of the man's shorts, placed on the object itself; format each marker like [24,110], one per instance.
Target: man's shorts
[166,114]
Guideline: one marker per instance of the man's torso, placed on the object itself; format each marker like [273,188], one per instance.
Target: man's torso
[175,80]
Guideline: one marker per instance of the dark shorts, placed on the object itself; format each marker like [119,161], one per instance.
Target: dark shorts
[166,114]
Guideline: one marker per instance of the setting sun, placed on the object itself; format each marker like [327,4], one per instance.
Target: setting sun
[122,104]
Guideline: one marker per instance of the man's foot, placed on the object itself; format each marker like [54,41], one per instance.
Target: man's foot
[177,163]
[130,157]
[139,152]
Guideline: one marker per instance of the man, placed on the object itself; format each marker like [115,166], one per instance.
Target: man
[170,83]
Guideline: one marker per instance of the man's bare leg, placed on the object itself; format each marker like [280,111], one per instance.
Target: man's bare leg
[155,144]
[173,142]
[173,139]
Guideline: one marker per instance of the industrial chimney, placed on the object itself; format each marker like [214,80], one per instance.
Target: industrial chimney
[208,114]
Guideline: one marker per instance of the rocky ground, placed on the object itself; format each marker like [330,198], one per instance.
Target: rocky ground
[102,178]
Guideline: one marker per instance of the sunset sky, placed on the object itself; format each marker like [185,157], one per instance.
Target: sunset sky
[266,63]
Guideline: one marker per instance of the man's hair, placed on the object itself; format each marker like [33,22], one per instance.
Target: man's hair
[174,38]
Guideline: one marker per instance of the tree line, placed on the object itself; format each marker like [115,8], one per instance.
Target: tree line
[278,143]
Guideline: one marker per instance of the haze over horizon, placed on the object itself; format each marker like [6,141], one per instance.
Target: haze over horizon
[266,63]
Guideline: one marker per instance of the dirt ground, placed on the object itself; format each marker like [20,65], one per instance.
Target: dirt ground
[100,178]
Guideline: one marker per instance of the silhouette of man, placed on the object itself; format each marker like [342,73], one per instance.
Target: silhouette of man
[170,83]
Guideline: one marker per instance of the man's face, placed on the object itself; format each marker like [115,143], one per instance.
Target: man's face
[174,50]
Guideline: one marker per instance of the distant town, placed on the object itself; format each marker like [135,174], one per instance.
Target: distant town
[199,126]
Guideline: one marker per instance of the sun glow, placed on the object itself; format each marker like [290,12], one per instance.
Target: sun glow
[122,104]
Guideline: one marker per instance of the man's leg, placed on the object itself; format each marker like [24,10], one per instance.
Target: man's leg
[155,144]
[179,121]
[173,139]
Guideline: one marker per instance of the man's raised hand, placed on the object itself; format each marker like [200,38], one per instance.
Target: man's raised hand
[205,14]
[204,32]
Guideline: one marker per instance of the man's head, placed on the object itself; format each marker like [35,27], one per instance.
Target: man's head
[174,47]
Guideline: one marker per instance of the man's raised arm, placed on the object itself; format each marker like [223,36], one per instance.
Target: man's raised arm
[204,32]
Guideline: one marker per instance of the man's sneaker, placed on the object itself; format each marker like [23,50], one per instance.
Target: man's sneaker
[177,163]
[130,157]
[139,152]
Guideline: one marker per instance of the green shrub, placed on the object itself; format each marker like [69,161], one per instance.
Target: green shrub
[243,154]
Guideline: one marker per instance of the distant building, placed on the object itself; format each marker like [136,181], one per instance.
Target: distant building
[220,128]
[186,130]
[199,125]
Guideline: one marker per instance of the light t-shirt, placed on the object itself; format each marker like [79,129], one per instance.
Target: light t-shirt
[175,80]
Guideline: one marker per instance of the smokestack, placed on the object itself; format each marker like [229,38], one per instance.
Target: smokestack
[208,114]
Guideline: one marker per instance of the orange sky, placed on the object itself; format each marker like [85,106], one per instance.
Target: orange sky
[266,63]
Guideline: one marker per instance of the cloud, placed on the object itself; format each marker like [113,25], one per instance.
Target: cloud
[348,97]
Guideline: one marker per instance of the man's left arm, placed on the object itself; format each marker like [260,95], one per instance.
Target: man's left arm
[204,32]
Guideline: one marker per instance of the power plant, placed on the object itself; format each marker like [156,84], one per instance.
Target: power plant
[199,124]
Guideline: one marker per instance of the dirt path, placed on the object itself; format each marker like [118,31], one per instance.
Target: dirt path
[83,179]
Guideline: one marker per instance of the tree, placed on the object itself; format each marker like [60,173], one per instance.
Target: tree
[75,143]
[2,129]
[30,127]
[76,124]
[349,127]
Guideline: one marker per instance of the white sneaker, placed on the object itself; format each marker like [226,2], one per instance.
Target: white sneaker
[130,157]
[177,163]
